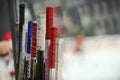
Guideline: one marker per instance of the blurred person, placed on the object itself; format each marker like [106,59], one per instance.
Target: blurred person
[78,42]
[6,57]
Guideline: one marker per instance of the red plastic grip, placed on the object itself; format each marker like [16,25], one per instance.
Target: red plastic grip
[52,49]
[49,21]
[34,39]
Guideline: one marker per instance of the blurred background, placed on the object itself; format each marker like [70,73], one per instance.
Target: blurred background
[91,29]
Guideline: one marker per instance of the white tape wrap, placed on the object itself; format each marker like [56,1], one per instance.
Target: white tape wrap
[52,74]
[41,31]
[25,28]
[59,59]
